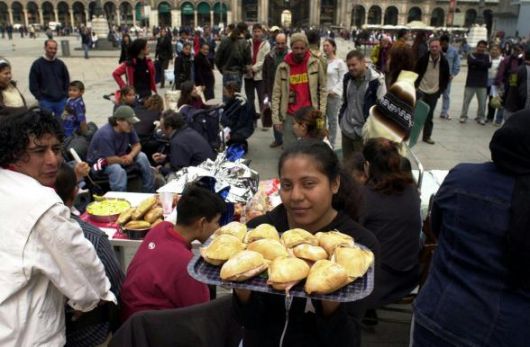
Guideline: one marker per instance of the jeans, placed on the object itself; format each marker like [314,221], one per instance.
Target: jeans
[431,100]
[118,175]
[57,107]
[499,116]
[250,86]
[85,49]
[446,100]
[332,115]
[278,137]
[288,134]
[481,97]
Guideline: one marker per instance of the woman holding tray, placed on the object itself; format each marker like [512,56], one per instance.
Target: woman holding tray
[316,196]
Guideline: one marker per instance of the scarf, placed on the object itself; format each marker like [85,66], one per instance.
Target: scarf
[510,151]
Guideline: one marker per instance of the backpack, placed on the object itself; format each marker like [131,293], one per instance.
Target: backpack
[205,122]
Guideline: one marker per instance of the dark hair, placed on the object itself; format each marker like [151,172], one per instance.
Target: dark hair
[124,91]
[77,84]
[232,87]
[17,128]
[186,88]
[347,198]
[154,103]
[136,47]
[444,38]
[332,43]
[197,202]
[313,120]
[65,182]
[355,163]
[186,44]
[402,33]
[4,63]
[401,58]
[49,40]
[482,42]
[172,119]
[257,26]
[313,37]
[355,54]
[385,174]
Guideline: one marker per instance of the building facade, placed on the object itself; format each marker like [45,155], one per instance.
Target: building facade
[177,13]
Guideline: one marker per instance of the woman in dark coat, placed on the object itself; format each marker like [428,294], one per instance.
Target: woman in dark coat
[183,66]
[204,72]
[125,44]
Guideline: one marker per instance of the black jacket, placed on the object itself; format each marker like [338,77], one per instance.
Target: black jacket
[516,96]
[421,67]
[164,48]
[263,317]
[477,70]
[238,115]
[233,55]
[49,79]
[203,71]
[182,69]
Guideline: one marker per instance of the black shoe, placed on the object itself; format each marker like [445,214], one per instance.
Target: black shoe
[429,141]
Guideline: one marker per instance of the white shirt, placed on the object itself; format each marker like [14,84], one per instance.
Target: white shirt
[44,258]
[335,74]
[492,72]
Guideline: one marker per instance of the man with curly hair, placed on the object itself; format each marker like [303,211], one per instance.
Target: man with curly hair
[45,256]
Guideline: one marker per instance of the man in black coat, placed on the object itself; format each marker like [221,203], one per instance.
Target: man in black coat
[164,53]
[433,77]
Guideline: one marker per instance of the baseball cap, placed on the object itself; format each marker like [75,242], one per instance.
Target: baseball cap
[126,113]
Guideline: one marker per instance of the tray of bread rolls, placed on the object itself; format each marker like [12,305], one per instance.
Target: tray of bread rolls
[325,266]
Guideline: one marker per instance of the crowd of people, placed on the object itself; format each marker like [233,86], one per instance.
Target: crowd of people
[61,283]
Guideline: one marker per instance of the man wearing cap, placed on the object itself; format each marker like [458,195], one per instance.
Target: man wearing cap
[300,81]
[118,143]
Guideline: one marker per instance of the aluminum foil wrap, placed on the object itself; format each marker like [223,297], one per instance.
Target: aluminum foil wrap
[235,181]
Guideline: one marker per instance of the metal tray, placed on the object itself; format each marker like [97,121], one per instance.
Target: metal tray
[209,274]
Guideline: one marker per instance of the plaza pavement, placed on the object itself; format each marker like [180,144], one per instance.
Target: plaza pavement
[455,142]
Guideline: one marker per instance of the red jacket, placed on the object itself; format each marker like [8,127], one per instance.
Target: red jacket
[127,68]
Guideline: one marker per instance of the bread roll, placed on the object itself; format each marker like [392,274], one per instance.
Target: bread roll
[325,277]
[355,261]
[310,252]
[262,231]
[333,239]
[144,206]
[295,237]
[154,214]
[236,229]
[221,249]
[286,272]
[125,216]
[242,266]
[270,249]
[137,225]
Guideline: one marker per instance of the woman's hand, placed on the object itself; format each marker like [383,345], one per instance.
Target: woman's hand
[159,157]
[243,295]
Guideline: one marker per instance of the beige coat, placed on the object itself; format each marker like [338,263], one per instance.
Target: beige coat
[280,92]
[257,69]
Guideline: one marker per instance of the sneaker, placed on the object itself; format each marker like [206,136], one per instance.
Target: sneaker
[443,116]
[480,121]
[497,124]
[463,120]
[275,144]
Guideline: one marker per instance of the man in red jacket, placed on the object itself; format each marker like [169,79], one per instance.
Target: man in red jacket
[157,277]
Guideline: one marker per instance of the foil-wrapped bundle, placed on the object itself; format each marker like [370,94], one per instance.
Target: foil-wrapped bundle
[234,177]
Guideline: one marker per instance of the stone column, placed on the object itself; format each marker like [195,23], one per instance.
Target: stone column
[314,13]
[41,17]
[211,19]
[134,16]
[10,12]
[118,16]
[72,22]
[228,18]
[153,19]
[178,18]
[26,21]
[195,18]
[265,12]
[56,14]
[174,15]
[87,16]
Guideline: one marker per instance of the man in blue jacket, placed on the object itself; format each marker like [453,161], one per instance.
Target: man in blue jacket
[49,80]
[453,58]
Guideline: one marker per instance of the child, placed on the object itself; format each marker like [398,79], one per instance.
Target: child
[74,119]
[126,96]
[309,123]
[238,116]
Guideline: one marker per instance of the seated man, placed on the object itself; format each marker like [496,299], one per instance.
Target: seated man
[97,323]
[117,143]
[157,277]
[186,146]
[45,257]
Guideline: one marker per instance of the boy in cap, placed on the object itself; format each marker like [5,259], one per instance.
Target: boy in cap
[118,143]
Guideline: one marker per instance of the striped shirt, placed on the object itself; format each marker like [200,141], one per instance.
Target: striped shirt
[94,335]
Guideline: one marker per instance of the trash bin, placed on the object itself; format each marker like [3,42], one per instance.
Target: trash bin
[65,48]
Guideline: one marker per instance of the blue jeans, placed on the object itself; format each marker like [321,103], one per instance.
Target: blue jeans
[446,100]
[85,49]
[57,107]
[118,175]
[278,137]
